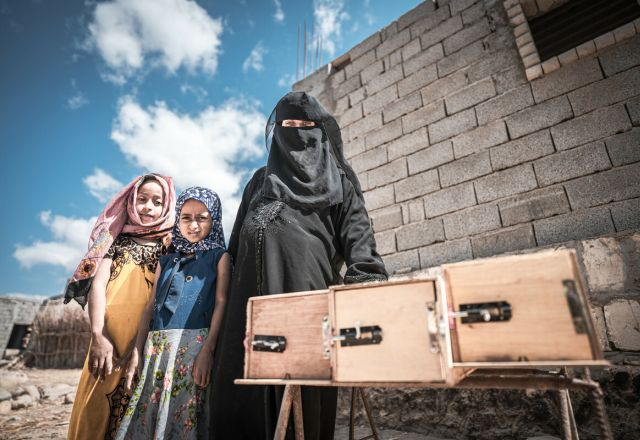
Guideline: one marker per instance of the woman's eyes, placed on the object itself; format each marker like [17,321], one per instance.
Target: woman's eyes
[158,203]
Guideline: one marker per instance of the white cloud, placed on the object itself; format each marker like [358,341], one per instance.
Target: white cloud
[77,100]
[204,149]
[329,17]
[254,60]
[71,236]
[286,80]
[200,93]
[101,185]
[170,33]
[279,14]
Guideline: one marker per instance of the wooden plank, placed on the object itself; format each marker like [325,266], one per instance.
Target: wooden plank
[403,354]
[541,328]
[298,317]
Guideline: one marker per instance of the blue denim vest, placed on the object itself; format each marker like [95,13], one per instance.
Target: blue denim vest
[186,291]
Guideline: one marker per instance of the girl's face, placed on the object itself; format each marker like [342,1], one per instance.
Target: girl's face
[195,221]
[150,201]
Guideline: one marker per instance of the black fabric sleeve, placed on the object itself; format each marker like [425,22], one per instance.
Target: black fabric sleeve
[356,239]
[247,194]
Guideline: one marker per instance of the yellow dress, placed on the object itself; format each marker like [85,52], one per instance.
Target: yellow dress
[99,406]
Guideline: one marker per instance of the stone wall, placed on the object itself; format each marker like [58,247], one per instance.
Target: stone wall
[15,311]
[460,156]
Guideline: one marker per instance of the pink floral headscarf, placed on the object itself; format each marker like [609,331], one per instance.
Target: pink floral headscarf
[118,217]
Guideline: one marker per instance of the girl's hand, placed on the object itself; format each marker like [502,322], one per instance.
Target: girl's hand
[202,367]
[132,371]
[100,357]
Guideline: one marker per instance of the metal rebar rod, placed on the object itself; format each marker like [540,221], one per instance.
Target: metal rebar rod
[367,409]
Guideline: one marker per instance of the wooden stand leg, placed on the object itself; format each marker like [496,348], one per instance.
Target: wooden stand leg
[569,428]
[365,403]
[367,409]
[352,414]
[597,400]
[292,397]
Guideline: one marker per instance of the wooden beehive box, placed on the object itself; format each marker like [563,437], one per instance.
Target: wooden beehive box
[524,310]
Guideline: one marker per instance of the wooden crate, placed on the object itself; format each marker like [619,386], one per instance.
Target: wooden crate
[550,322]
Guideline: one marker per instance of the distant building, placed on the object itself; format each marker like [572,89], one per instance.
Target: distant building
[16,318]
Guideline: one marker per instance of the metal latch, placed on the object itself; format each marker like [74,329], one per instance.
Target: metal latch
[432,327]
[575,306]
[483,312]
[275,344]
[348,337]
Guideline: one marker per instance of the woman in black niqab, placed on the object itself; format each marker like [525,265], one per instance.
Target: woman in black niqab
[302,217]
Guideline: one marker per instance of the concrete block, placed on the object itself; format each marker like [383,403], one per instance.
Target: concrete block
[509,79]
[460,5]
[465,169]
[371,71]
[384,134]
[420,234]
[417,185]
[423,10]
[470,96]
[567,78]
[609,91]
[423,116]
[402,107]
[393,43]
[610,186]
[550,65]
[389,31]
[430,21]
[385,242]
[460,59]
[604,264]
[533,206]
[365,125]
[575,225]
[568,57]
[480,139]
[449,200]
[623,324]
[430,157]
[365,46]
[540,116]
[402,262]
[347,87]
[624,148]
[621,57]
[471,221]
[416,211]
[351,115]
[376,102]
[417,80]
[466,36]
[443,87]
[384,80]
[450,251]
[453,125]
[521,150]
[624,32]
[590,127]
[356,97]
[505,183]
[442,31]
[633,107]
[386,218]
[505,240]
[605,40]
[508,103]
[388,173]
[409,143]
[342,105]
[356,65]
[626,215]
[423,59]
[567,165]
[492,62]
[369,159]
[379,197]
[597,313]
[411,49]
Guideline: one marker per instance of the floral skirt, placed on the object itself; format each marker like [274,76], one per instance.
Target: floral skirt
[167,403]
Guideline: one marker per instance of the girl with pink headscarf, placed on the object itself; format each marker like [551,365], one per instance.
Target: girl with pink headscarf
[115,279]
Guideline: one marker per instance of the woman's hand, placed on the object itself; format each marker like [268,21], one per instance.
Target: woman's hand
[100,356]
[202,367]
[132,371]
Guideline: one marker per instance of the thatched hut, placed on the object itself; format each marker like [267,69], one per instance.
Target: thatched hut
[61,335]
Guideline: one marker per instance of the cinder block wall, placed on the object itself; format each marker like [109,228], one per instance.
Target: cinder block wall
[15,311]
[461,157]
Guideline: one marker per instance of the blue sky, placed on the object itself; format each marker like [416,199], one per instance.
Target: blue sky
[96,93]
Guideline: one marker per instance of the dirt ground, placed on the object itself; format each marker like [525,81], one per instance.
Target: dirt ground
[46,419]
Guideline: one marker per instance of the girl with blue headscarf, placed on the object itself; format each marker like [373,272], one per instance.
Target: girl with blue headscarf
[178,332]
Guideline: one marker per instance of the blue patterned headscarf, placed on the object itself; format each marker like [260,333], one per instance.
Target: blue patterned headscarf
[215,239]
